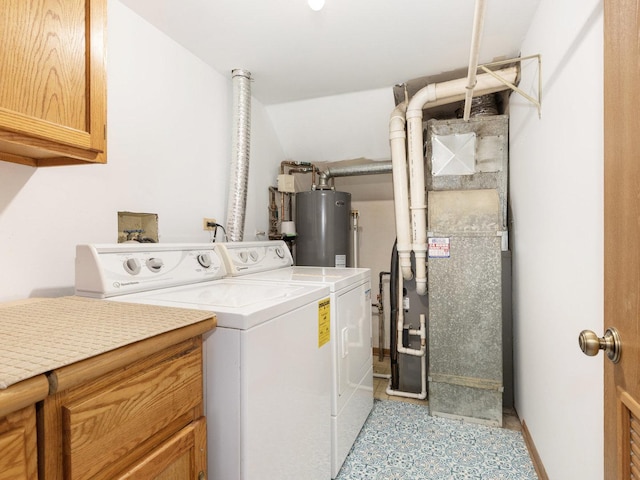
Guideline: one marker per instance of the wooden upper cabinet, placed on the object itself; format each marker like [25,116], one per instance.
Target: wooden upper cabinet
[52,82]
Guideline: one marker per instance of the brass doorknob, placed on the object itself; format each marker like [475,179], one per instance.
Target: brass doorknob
[590,344]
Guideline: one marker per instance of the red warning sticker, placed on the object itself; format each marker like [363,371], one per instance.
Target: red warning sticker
[439,247]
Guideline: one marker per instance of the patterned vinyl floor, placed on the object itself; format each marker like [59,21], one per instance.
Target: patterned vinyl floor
[400,441]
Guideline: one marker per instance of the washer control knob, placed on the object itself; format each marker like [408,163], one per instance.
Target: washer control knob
[132,266]
[154,264]
[204,260]
[279,252]
[243,256]
[253,255]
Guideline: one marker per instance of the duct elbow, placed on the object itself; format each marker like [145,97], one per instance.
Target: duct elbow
[397,122]
[407,273]
[420,99]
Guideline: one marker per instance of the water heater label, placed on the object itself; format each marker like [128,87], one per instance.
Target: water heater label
[324,322]
[341,261]
[439,247]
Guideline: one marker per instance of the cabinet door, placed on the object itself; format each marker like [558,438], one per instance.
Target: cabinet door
[18,459]
[53,92]
[101,427]
[182,457]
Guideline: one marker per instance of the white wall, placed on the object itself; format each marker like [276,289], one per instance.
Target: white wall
[340,127]
[377,234]
[169,119]
[557,201]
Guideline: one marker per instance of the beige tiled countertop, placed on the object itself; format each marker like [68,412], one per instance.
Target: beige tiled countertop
[42,335]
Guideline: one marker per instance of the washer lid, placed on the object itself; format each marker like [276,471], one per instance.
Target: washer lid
[237,304]
[334,277]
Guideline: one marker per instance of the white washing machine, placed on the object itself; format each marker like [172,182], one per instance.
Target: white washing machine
[351,348]
[266,365]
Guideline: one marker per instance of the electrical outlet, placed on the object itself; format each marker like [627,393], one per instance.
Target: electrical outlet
[208,223]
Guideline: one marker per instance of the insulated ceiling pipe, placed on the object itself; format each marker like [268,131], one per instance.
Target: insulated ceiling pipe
[240,142]
[476,35]
[397,141]
[435,93]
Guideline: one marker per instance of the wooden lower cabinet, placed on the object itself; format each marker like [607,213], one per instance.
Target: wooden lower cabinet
[18,459]
[143,420]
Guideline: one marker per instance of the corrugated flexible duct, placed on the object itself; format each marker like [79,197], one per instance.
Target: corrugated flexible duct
[240,146]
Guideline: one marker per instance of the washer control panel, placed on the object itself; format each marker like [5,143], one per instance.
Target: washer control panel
[242,258]
[105,270]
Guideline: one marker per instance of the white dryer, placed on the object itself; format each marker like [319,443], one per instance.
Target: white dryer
[351,348]
[266,365]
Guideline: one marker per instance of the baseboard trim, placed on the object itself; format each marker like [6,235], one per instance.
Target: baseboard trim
[533,452]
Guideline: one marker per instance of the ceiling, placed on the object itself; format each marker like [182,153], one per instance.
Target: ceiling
[295,53]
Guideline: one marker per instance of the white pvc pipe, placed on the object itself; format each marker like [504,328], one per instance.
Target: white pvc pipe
[476,35]
[421,352]
[356,250]
[397,140]
[416,186]
[438,93]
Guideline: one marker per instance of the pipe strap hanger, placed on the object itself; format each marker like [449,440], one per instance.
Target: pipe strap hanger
[537,102]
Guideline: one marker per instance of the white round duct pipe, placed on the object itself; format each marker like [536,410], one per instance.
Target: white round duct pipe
[240,143]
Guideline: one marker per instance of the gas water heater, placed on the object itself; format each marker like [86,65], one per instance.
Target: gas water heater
[322,224]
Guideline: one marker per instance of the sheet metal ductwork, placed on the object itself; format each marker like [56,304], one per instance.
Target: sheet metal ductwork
[240,146]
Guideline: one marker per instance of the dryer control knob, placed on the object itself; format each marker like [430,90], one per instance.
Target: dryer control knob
[253,255]
[204,260]
[243,256]
[279,252]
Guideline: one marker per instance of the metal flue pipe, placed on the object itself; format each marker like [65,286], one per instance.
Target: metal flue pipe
[372,168]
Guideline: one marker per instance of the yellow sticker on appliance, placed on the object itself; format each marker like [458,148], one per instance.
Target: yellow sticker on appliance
[324,322]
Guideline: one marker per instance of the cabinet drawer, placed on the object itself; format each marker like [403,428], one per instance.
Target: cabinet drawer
[113,424]
[182,456]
